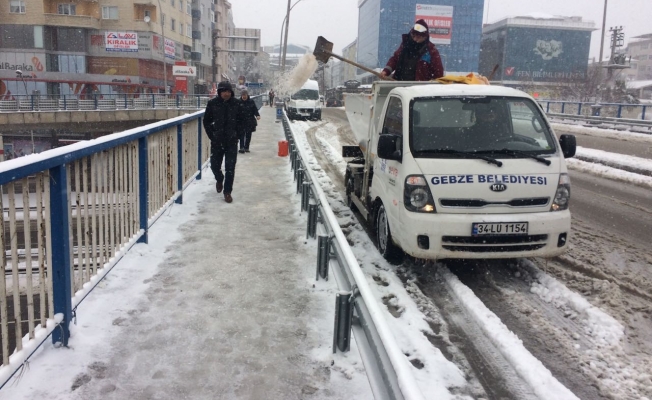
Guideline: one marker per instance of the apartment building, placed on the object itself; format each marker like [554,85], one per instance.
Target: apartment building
[640,49]
[112,46]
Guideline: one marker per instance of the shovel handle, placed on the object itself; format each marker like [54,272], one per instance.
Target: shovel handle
[362,67]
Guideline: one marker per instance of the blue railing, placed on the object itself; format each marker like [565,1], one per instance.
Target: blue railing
[36,102]
[592,109]
[73,212]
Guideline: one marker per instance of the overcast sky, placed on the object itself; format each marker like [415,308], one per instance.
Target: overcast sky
[337,20]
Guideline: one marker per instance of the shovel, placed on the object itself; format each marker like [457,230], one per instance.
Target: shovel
[324,51]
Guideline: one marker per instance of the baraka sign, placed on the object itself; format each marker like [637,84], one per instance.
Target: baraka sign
[121,41]
[182,70]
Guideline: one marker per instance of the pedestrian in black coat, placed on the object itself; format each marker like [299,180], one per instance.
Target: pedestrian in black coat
[250,117]
[223,123]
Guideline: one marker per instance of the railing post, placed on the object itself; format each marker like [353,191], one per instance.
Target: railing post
[153,100]
[95,100]
[643,113]
[32,101]
[178,100]
[60,236]
[179,199]
[126,106]
[143,194]
[323,256]
[547,107]
[199,160]
[65,106]
[563,106]
[311,231]
[198,102]
[579,109]
[620,110]
[343,319]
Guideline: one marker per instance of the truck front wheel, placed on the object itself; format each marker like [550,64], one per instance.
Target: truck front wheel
[386,246]
[349,192]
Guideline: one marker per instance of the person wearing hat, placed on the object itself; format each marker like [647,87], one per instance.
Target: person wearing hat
[250,117]
[416,59]
[223,122]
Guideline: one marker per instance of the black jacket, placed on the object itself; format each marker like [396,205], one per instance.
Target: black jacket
[249,114]
[223,119]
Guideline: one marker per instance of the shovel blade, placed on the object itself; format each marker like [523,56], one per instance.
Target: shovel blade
[323,49]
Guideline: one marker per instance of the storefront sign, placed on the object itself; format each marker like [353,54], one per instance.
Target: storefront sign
[183,70]
[121,41]
[439,20]
[170,48]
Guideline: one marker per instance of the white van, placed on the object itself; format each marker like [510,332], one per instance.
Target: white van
[305,102]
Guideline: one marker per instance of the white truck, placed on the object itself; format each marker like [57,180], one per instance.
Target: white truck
[305,103]
[458,171]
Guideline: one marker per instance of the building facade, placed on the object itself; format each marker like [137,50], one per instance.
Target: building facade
[640,50]
[536,50]
[114,46]
[455,28]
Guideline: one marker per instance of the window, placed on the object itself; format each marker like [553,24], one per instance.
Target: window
[172,3]
[173,24]
[394,118]
[213,17]
[202,11]
[17,6]
[109,12]
[67,9]
[181,28]
[180,5]
[188,7]
[189,30]
[38,37]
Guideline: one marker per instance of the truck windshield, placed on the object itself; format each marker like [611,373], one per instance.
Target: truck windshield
[306,94]
[484,125]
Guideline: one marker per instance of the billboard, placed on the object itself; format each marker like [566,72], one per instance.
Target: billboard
[439,20]
[120,41]
[545,55]
[183,70]
[170,48]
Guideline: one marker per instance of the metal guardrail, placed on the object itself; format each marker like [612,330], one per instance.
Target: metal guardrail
[71,215]
[603,120]
[357,310]
[106,102]
[610,110]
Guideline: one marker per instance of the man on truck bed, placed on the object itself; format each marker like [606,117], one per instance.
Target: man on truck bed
[416,59]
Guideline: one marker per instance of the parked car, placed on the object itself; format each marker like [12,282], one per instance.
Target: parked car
[333,102]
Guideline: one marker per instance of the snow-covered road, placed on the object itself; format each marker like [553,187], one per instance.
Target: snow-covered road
[586,315]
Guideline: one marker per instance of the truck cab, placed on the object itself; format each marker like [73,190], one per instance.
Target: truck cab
[459,171]
[305,103]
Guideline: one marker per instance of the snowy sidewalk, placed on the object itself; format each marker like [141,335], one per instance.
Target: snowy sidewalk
[222,304]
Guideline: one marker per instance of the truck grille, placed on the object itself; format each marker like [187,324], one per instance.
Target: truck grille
[305,110]
[493,244]
[475,203]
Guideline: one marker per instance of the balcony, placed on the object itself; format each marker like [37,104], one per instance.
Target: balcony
[195,56]
[72,21]
[196,34]
[196,14]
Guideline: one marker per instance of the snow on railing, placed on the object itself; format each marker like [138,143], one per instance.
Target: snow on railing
[388,370]
[71,213]
[99,102]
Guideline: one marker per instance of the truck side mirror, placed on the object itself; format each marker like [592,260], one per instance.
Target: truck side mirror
[388,147]
[568,145]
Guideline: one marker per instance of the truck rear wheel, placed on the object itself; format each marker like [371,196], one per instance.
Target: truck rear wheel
[386,246]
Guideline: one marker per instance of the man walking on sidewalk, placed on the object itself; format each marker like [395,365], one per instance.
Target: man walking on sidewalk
[223,124]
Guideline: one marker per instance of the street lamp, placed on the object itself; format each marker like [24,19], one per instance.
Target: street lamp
[165,72]
[286,22]
[19,74]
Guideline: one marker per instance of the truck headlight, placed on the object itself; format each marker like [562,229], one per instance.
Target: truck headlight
[417,196]
[562,196]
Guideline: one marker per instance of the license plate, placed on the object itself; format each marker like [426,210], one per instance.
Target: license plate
[499,228]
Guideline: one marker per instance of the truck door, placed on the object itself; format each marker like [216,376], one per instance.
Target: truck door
[386,172]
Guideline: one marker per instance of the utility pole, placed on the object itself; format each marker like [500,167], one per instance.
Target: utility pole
[604,27]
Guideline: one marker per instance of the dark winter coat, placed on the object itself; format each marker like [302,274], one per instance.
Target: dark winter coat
[223,119]
[249,113]
[426,57]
